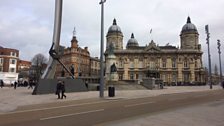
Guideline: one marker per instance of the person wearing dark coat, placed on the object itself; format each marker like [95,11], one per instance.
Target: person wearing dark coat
[222,84]
[63,90]
[58,89]
[15,84]
[1,83]
[30,84]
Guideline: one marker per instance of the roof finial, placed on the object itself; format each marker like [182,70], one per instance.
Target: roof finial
[188,19]
[132,35]
[74,32]
[114,22]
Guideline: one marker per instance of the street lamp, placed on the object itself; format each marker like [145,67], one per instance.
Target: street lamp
[102,50]
[220,66]
[209,56]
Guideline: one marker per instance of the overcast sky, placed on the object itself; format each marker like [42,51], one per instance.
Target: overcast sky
[27,25]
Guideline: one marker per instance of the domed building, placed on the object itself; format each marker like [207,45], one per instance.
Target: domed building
[115,36]
[189,36]
[132,42]
[171,64]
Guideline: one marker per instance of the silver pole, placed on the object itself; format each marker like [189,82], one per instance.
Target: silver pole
[102,50]
[51,66]
[220,61]
[209,57]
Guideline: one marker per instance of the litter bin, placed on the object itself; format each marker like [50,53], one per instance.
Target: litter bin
[111,91]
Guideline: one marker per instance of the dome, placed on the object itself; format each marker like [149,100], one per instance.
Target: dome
[114,27]
[189,26]
[132,42]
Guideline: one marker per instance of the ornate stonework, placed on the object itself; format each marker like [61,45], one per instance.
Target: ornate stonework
[172,64]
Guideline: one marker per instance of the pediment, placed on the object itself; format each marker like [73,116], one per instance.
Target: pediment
[152,47]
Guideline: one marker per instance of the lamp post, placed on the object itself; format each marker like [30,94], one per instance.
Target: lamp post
[209,56]
[102,50]
[220,66]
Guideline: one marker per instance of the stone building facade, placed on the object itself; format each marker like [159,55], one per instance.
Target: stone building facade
[172,64]
[77,57]
[9,64]
[94,67]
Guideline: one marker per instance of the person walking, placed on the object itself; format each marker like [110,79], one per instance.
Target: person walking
[63,90]
[30,84]
[15,84]
[58,89]
[1,83]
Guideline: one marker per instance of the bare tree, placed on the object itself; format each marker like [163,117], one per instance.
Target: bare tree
[39,62]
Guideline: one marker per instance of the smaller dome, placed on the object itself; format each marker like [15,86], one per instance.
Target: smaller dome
[132,42]
[189,26]
[114,27]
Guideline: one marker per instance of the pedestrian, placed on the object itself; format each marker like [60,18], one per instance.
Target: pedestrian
[30,84]
[15,84]
[25,83]
[87,86]
[222,84]
[63,90]
[1,83]
[58,89]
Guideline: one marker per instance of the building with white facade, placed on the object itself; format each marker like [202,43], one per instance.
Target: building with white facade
[9,65]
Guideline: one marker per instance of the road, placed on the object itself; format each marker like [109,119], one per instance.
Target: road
[96,111]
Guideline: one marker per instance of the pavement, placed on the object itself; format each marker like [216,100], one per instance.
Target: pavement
[209,114]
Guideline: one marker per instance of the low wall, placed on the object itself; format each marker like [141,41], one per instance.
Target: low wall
[47,86]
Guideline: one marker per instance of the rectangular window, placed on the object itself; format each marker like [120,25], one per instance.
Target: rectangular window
[185,64]
[164,64]
[174,78]
[121,64]
[12,61]
[1,60]
[132,76]
[140,77]
[164,77]
[186,77]
[1,69]
[12,70]
[140,64]
[13,54]
[131,65]
[174,63]
[152,65]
